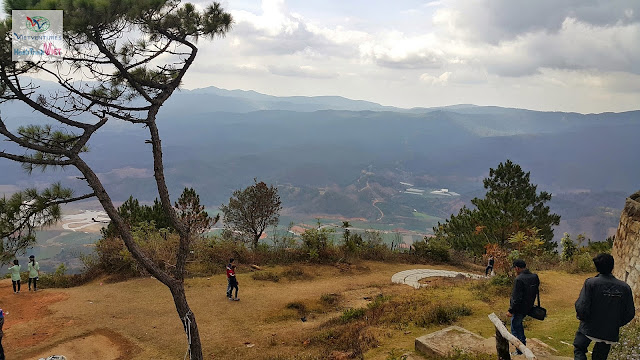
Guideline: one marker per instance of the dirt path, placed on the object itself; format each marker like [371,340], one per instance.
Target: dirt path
[26,308]
[32,330]
[375,206]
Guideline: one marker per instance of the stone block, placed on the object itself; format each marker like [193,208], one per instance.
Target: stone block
[440,343]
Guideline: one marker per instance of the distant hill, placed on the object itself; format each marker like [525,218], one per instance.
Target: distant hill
[323,151]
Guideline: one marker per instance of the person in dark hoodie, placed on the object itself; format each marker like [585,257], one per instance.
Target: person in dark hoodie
[489,268]
[523,296]
[605,304]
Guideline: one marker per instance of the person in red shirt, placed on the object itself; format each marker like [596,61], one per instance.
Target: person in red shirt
[232,282]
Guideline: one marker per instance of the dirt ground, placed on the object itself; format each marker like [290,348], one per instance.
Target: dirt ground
[136,319]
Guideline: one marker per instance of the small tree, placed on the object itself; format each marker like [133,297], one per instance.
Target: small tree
[352,242]
[527,242]
[252,210]
[316,242]
[195,218]
[569,247]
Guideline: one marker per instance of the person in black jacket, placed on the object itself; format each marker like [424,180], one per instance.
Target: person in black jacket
[489,268]
[523,296]
[605,304]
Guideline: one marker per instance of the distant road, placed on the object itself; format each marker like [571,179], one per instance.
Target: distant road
[85,219]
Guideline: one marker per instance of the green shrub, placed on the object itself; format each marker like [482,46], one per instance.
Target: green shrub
[60,279]
[353,314]
[544,261]
[442,314]
[581,263]
[374,248]
[497,287]
[318,245]
[502,280]
[432,250]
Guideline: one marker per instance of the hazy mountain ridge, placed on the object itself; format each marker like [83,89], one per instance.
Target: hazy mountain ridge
[218,140]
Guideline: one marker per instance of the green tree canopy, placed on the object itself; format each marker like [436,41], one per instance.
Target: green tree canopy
[511,204]
[251,210]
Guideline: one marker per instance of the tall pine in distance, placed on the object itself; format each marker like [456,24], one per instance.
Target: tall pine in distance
[511,205]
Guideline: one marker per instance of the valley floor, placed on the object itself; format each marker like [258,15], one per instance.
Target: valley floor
[136,319]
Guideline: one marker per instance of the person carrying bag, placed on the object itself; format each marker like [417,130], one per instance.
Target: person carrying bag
[538,312]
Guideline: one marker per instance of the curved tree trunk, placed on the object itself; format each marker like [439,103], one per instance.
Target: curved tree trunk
[175,285]
[188,320]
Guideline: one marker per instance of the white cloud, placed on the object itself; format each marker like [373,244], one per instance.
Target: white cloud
[443,79]
[301,71]
[556,53]
[576,46]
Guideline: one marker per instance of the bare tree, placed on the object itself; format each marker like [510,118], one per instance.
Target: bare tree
[124,59]
[251,210]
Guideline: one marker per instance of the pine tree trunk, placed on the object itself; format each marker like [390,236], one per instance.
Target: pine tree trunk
[176,286]
[188,320]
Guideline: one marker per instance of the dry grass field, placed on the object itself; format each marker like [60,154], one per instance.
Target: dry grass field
[136,319]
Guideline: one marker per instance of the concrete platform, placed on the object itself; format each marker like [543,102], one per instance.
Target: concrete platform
[412,277]
[453,338]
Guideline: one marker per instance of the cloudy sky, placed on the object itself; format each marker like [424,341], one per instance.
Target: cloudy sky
[566,55]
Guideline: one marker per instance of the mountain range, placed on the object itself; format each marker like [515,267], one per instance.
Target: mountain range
[332,156]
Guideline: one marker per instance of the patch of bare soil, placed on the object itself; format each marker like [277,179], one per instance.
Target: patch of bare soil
[26,307]
[359,298]
[101,344]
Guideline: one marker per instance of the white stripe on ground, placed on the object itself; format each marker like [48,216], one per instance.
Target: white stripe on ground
[412,277]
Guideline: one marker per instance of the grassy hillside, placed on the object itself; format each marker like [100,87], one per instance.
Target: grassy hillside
[136,319]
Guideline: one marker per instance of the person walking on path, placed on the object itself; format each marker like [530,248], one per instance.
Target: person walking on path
[523,297]
[489,268]
[605,304]
[34,272]
[15,276]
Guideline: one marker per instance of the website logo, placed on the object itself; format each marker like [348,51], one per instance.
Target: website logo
[38,23]
[37,35]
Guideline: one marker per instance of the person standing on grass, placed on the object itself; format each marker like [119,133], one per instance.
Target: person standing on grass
[489,268]
[605,304]
[231,277]
[523,297]
[234,283]
[15,276]
[34,272]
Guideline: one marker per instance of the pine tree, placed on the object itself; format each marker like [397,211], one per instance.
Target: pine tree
[117,51]
[511,204]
